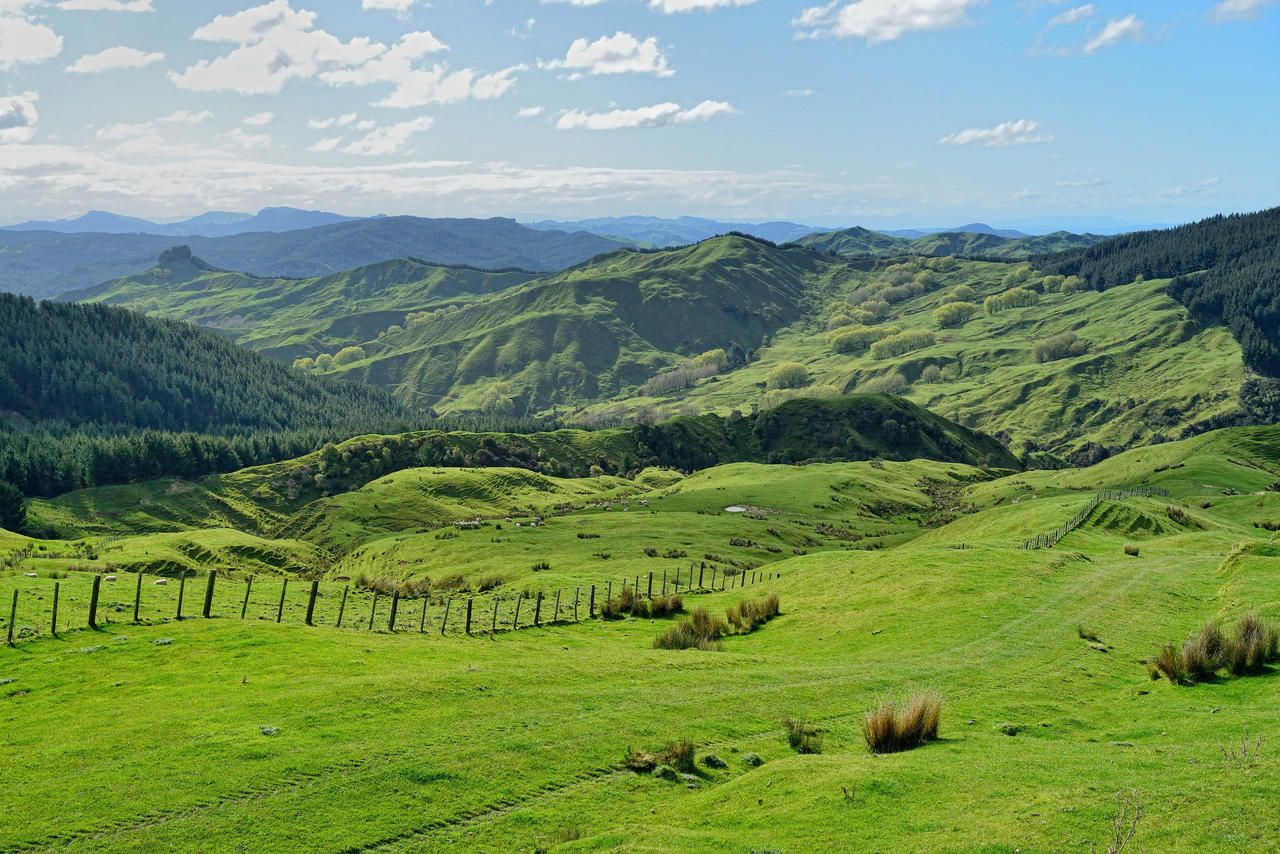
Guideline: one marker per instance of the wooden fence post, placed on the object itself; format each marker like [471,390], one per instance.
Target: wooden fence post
[537,610]
[248,586]
[515,622]
[422,623]
[591,604]
[699,577]
[608,596]
[182,589]
[468,628]
[713,578]
[53,624]
[343,607]
[137,598]
[311,601]
[650,585]
[13,615]
[208,594]
[284,586]
[557,617]
[664,582]
[493,628]
[373,610]
[577,591]
[395,606]
[445,622]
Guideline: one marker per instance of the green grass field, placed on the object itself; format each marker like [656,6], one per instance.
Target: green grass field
[227,735]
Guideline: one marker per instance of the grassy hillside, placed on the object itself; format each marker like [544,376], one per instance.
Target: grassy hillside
[291,318]
[601,328]
[45,264]
[1048,712]
[985,372]
[858,242]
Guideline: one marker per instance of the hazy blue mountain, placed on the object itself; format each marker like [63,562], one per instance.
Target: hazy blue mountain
[658,232]
[211,224]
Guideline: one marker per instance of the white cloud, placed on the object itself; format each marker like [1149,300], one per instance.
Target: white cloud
[259,119]
[620,53]
[1238,10]
[107,5]
[1081,184]
[334,122]
[643,117]
[799,93]
[671,7]
[438,85]
[326,145]
[125,130]
[186,117]
[1020,132]
[274,44]
[1071,16]
[879,21]
[113,58]
[529,112]
[1117,30]
[18,117]
[248,141]
[23,40]
[574,2]
[389,139]
[400,7]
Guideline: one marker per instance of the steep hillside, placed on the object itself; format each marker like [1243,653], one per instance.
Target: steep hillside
[855,242]
[652,231]
[991,368]
[289,318]
[42,263]
[601,328]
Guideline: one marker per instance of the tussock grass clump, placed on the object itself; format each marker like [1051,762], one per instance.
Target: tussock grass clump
[630,602]
[1131,550]
[1087,634]
[802,736]
[893,727]
[680,755]
[749,613]
[1253,645]
[699,631]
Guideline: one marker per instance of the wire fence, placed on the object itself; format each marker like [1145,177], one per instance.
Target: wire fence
[33,606]
[1051,539]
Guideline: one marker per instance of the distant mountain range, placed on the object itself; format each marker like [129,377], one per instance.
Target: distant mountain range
[656,232]
[45,263]
[212,224]
[970,228]
[853,242]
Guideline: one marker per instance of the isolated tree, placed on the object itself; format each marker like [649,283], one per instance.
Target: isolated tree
[13,507]
[348,355]
[306,363]
[788,375]
[324,362]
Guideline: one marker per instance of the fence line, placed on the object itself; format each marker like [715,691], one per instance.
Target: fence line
[221,598]
[1049,540]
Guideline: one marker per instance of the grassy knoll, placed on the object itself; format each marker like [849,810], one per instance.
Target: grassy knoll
[404,742]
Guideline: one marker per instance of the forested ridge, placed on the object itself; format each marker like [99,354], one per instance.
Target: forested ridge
[1225,269]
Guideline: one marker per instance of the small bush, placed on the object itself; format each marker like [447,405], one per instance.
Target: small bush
[891,727]
[680,755]
[931,374]
[540,566]
[1062,346]
[891,383]
[953,314]
[902,343]
[1249,649]
[1176,513]
[788,375]
[855,339]
[1255,644]
[699,631]
[1087,634]
[1131,550]
[803,737]
[1012,298]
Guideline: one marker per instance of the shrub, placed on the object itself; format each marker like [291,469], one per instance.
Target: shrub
[891,383]
[1176,513]
[1131,550]
[1012,298]
[1074,285]
[1253,645]
[931,374]
[962,293]
[788,375]
[540,566]
[1062,346]
[324,362]
[902,343]
[680,755]
[749,613]
[855,339]
[891,727]
[878,309]
[954,314]
[347,355]
[306,363]
[803,737]
[699,631]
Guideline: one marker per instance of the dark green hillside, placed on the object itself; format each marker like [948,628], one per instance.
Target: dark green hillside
[851,242]
[288,318]
[92,365]
[41,263]
[1227,269]
[601,328]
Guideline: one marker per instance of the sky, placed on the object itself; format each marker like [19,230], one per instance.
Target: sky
[875,112]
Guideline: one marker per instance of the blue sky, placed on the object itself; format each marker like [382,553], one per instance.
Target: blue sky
[883,112]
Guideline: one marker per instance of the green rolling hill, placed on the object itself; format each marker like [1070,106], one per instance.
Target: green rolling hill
[857,242]
[291,318]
